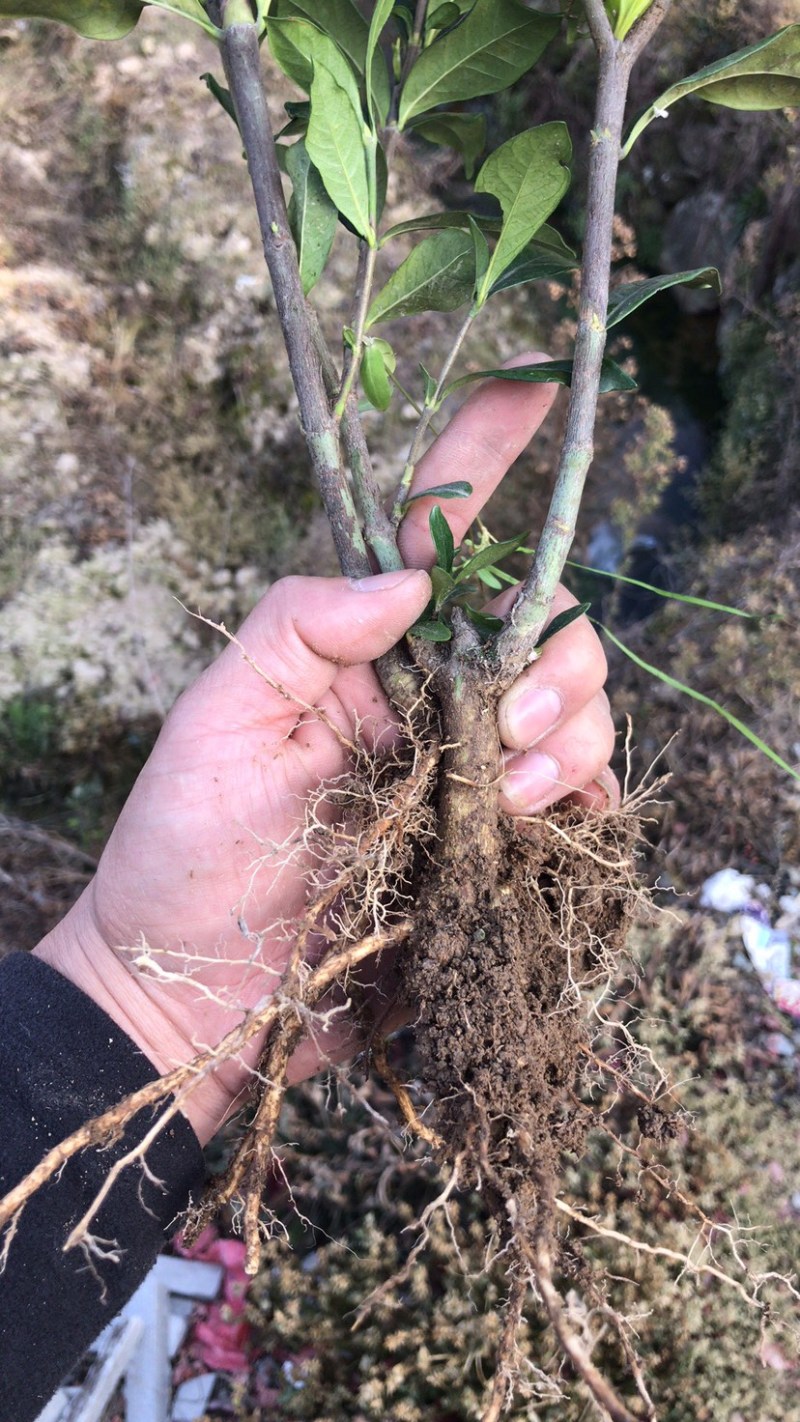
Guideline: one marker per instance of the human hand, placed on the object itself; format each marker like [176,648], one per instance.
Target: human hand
[192,857]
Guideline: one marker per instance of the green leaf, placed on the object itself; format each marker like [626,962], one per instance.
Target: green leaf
[481,247]
[403,16]
[547,240]
[529,176]
[438,275]
[550,240]
[442,583]
[766,75]
[221,94]
[297,45]
[496,578]
[431,631]
[727,715]
[341,20]
[298,119]
[558,371]
[442,15]
[429,383]
[375,367]
[624,13]
[485,622]
[312,215]
[488,556]
[443,540]
[434,221]
[457,489]
[546,258]
[190,9]
[663,592]
[464,132]
[536,262]
[94,19]
[378,94]
[625,299]
[336,146]
[570,614]
[387,351]
[497,43]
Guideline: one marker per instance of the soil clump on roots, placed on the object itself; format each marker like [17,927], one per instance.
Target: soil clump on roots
[499,964]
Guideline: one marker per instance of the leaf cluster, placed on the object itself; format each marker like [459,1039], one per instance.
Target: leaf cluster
[460,573]
[365,80]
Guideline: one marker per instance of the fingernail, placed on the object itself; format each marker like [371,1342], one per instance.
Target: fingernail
[383,582]
[533,714]
[532,781]
[607,787]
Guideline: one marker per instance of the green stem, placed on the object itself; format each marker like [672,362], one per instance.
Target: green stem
[406,394]
[237,12]
[415,42]
[367,257]
[242,61]
[378,531]
[428,411]
[514,647]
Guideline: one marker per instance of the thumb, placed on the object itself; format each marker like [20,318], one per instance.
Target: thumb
[304,629]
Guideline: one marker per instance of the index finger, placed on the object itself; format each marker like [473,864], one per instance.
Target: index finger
[480,444]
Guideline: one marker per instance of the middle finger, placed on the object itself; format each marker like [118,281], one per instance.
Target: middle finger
[480,444]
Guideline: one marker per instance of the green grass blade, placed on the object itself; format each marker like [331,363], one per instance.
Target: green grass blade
[705,701]
[660,592]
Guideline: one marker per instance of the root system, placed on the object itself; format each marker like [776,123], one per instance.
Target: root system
[504,961]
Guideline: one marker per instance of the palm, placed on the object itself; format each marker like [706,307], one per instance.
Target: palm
[222,796]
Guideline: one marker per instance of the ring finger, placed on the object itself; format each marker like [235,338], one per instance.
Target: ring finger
[563,763]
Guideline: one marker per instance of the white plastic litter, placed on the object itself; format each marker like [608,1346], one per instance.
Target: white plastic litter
[728,891]
[770,952]
[193,1397]
[770,932]
[112,1354]
[137,1347]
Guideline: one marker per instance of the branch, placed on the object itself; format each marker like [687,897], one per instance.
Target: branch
[242,61]
[397,676]
[644,29]
[514,648]
[599,25]
[415,42]
[313,371]
[428,411]
[378,529]
[367,257]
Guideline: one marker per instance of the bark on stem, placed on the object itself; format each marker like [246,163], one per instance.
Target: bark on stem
[242,61]
[377,525]
[515,646]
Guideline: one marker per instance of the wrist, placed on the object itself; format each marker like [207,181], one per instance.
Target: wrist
[76,949]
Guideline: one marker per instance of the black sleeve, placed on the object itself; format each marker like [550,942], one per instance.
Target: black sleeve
[62,1061]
